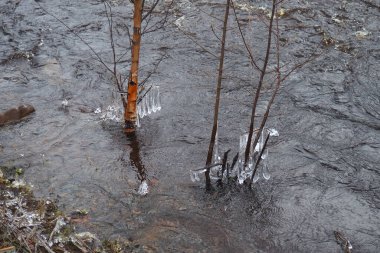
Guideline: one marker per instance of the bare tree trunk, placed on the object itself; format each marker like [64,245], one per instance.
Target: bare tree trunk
[130,111]
[217,99]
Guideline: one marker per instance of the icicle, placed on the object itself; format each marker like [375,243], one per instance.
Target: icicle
[143,189]
[256,177]
[265,154]
[154,98]
[260,143]
[158,99]
[273,132]
[143,108]
[98,110]
[139,110]
[266,174]
[216,157]
[194,175]
[214,171]
[242,147]
[138,120]
[250,164]
[147,103]
[241,177]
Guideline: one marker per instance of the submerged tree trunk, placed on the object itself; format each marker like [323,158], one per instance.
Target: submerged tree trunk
[217,99]
[130,109]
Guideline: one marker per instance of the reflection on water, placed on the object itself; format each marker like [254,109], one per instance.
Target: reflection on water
[135,159]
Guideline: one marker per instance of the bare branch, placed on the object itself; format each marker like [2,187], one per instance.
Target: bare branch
[253,62]
[77,35]
[148,13]
[156,64]
[160,23]
[198,44]
[216,36]
[217,98]
[256,98]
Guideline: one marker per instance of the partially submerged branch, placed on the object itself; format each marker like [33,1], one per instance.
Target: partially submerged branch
[259,160]
[217,98]
[258,89]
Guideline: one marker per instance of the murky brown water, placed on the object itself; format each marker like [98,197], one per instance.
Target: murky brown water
[325,164]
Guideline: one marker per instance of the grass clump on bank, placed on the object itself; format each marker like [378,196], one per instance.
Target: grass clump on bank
[34,225]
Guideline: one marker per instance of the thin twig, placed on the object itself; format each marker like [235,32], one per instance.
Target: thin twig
[209,167]
[198,44]
[159,24]
[278,84]
[156,65]
[148,13]
[78,36]
[141,97]
[224,163]
[213,31]
[253,62]
[232,165]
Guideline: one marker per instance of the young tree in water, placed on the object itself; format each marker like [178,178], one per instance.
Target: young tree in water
[217,97]
[276,76]
[130,108]
[130,98]
[141,24]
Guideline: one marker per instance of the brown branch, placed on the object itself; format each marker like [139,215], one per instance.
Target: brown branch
[256,98]
[156,65]
[198,44]
[224,163]
[217,98]
[118,82]
[278,84]
[213,31]
[159,24]
[148,13]
[253,62]
[211,16]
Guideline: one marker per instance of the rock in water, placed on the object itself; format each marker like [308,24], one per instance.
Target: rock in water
[15,114]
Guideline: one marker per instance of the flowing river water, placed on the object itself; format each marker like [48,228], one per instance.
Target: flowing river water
[325,165]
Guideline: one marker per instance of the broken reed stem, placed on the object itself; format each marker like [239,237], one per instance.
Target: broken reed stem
[258,160]
[232,165]
[261,80]
[217,98]
[224,163]
[209,166]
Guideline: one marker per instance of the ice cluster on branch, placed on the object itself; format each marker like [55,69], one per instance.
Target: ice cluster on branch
[240,170]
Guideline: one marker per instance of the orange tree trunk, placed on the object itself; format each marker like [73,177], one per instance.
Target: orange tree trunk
[130,111]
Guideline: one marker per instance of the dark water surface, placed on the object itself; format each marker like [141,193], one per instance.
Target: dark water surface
[325,165]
